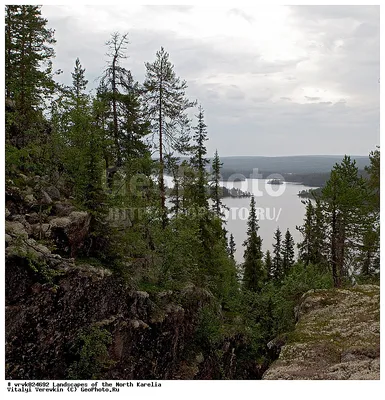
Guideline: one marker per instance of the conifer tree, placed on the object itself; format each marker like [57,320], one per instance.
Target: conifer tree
[216,190]
[124,123]
[305,247]
[28,70]
[277,270]
[287,252]
[268,264]
[254,272]
[344,207]
[114,80]
[166,106]
[232,247]
[199,161]
[78,138]
[312,248]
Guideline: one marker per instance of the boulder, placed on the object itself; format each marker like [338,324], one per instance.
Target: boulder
[32,218]
[70,232]
[62,209]
[53,192]
[337,337]
[40,231]
[30,200]
[45,198]
[16,229]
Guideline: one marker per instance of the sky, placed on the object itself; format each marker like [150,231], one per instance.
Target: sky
[273,80]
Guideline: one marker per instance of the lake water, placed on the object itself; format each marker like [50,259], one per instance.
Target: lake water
[277,206]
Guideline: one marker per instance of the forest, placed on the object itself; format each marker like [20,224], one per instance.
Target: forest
[109,150]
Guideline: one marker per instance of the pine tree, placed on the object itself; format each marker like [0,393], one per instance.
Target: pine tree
[166,107]
[254,273]
[344,202]
[369,254]
[287,252]
[277,269]
[124,122]
[374,177]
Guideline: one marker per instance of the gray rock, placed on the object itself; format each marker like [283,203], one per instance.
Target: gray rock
[32,218]
[337,337]
[30,199]
[15,228]
[41,231]
[62,209]
[7,212]
[53,192]
[45,198]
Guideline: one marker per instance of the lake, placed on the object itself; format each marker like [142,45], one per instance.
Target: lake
[277,206]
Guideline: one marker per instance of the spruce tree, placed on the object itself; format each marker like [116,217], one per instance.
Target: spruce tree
[199,161]
[77,138]
[277,269]
[254,272]
[215,187]
[268,264]
[28,70]
[232,247]
[312,248]
[287,252]
[305,247]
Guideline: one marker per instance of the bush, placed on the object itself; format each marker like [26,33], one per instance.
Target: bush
[92,354]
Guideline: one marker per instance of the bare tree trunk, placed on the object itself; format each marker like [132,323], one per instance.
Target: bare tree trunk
[336,278]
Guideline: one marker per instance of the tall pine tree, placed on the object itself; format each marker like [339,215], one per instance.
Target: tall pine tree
[166,108]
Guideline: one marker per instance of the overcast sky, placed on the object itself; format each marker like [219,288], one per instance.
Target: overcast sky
[273,80]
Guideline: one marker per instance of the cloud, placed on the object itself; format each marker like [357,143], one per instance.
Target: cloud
[239,13]
[272,80]
[309,98]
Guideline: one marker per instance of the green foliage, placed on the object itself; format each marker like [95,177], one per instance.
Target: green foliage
[287,252]
[28,78]
[92,354]
[270,312]
[166,108]
[277,267]
[199,162]
[209,330]
[215,187]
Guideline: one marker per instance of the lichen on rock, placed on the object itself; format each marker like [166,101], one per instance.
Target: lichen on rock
[337,337]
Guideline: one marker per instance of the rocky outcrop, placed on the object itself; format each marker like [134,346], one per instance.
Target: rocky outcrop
[36,211]
[46,317]
[337,337]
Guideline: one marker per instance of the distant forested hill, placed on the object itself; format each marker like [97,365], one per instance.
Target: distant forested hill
[290,164]
[309,170]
